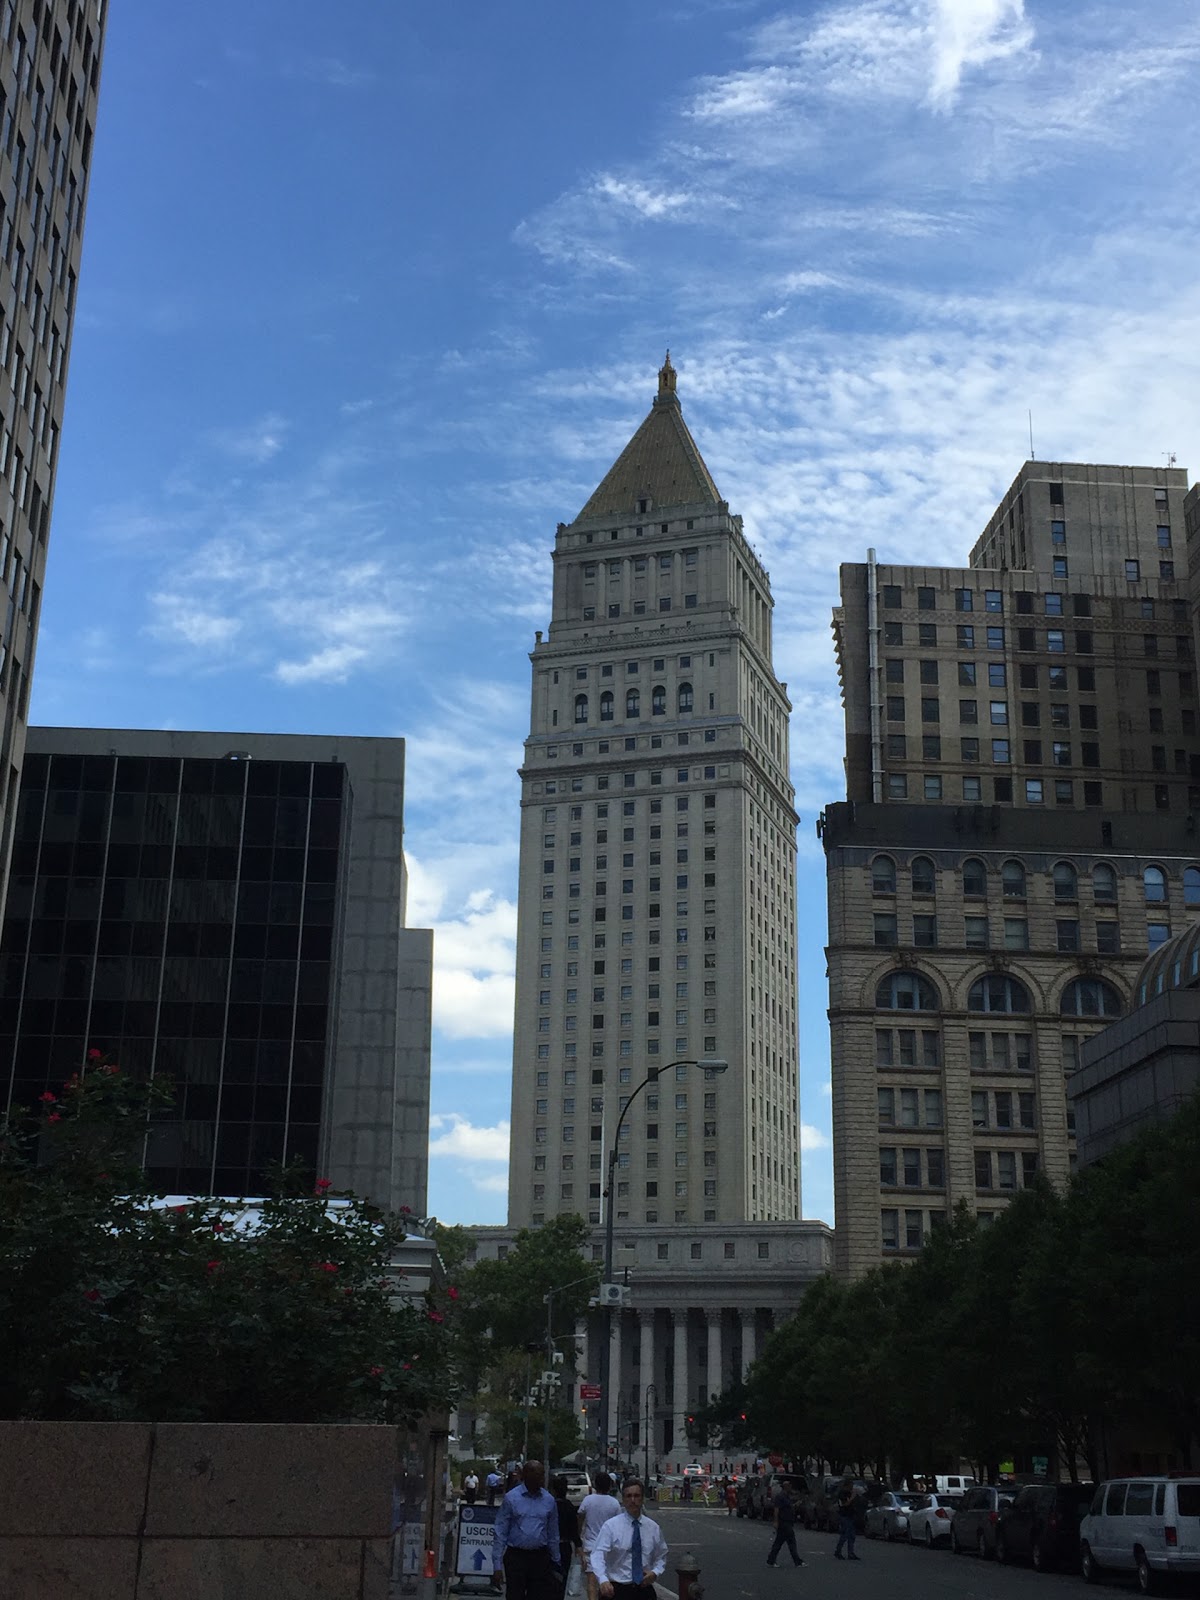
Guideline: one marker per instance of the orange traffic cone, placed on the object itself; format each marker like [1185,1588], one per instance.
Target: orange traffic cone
[430,1565]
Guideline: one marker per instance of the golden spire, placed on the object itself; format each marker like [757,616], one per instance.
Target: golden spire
[666,377]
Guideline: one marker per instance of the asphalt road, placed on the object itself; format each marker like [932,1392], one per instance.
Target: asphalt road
[732,1554]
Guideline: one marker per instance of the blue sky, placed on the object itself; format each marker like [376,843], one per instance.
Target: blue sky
[373,294]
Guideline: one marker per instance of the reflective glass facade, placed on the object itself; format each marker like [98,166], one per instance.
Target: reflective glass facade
[181,915]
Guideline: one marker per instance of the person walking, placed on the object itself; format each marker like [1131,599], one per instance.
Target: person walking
[470,1487]
[730,1496]
[630,1553]
[492,1483]
[569,1544]
[595,1509]
[784,1508]
[847,1530]
[525,1552]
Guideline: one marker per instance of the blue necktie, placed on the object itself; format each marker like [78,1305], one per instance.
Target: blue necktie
[636,1549]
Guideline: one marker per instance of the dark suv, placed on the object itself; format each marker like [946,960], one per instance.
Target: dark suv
[1042,1525]
[973,1526]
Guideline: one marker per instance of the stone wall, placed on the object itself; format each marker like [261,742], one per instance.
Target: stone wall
[181,1511]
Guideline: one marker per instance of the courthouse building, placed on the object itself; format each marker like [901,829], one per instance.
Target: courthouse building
[657,926]
[1023,788]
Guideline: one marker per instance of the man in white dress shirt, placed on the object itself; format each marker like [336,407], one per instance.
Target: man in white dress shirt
[630,1553]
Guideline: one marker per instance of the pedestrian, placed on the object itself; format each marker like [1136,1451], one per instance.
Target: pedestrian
[730,1496]
[493,1481]
[685,1490]
[630,1553]
[525,1551]
[569,1544]
[595,1509]
[784,1508]
[847,1495]
[470,1487]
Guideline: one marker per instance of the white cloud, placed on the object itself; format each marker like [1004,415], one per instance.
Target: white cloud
[454,1135]
[333,664]
[812,1138]
[257,443]
[969,34]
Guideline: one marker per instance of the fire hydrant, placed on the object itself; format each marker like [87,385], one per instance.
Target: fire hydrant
[687,1571]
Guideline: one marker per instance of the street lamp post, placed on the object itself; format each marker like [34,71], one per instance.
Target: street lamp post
[548,1302]
[609,1222]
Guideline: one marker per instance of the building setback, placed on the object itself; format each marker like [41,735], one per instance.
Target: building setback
[49,78]
[226,910]
[656,913]
[1023,778]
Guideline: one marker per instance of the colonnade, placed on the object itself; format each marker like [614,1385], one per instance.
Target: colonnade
[686,1353]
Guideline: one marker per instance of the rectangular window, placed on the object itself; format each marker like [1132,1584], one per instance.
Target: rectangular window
[993,600]
[966,673]
[995,638]
[983,1169]
[966,636]
[889,1229]
[929,671]
[964,599]
[1133,571]
[1056,641]
[1000,751]
[969,749]
[887,1167]
[887,1106]
[976,933]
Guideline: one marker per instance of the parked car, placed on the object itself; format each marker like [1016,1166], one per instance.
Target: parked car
[887,1519]
[973,1525]
[1149,1526]
[753,1495]
[929,1519]
[1042,1524]
[826,1508]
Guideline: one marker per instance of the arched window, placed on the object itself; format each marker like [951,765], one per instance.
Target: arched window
[1155,882]
[606,706]
[1066,881]
[883,875]
[906,991]
[1104,883]
[974,875]
[632,703]
[581,708]
[1013,878]
[995,991]
[685,697]
[658,701]
[1191,886]
[1090,997]
[924,879]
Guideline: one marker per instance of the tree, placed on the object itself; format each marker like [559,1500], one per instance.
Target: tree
[201,1311]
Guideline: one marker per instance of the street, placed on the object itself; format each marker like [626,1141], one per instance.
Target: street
[732,1556]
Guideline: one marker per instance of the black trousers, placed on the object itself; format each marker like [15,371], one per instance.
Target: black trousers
[528,1574]
[631,1591]
[785,1534]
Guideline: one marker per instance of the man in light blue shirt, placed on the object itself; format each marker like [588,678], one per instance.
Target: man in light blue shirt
[525,1549]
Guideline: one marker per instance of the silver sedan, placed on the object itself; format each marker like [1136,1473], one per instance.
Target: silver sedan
[887,1519]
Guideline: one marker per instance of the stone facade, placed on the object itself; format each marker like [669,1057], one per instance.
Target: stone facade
[1023,775]
[701,1304]
[50,65]
[656,914]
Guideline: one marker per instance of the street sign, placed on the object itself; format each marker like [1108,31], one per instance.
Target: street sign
[589,1391]
[476,1533]
[1041,1466]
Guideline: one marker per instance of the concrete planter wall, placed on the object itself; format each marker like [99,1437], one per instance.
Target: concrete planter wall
[179,1511]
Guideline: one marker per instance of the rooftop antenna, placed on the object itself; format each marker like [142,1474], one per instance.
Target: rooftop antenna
[1031,455]
[1170,458]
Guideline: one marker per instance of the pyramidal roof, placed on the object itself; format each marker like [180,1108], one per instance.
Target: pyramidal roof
[660,463]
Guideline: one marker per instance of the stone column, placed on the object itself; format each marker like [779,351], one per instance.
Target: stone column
[612,1398]
[749,1350]
[713,1318]
[645,1379]
[679,1399]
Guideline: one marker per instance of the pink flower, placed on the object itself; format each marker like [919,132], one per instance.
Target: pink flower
[212,1266]
[406,1211]
[322,1184]
[180,1208]
[328,1266]
[436,1316]
[91,1294]
[376,1372]
[453,1293]
[54,1117]
[94,1054]
[218,1227]
[406,1366]
[48,1098]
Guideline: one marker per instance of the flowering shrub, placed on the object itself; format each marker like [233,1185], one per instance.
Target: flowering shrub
[115,1307]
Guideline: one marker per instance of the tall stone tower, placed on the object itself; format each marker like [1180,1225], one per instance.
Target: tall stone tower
[657,900]
[49,78]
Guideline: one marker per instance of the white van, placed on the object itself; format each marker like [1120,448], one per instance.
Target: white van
[953,1483]
[1146,1525]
